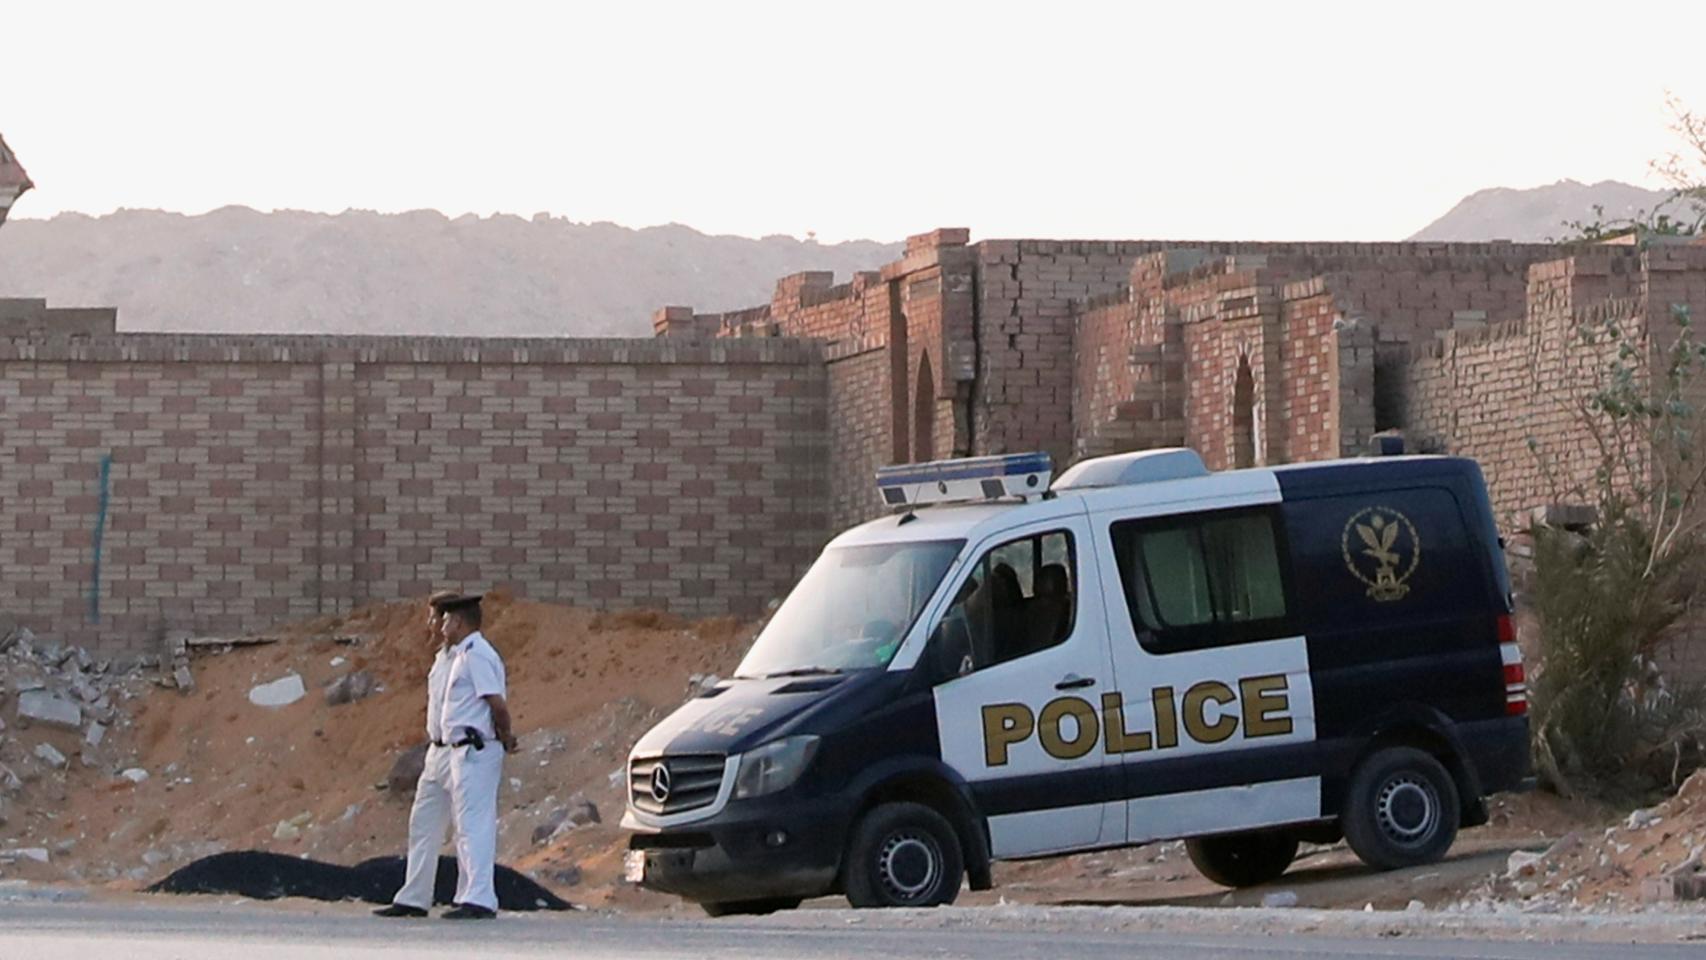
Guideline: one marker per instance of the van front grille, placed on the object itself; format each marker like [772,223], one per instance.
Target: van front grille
[688,782]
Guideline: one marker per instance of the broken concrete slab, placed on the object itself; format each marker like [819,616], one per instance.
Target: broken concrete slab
[96,733]
[40,706]
[183,677]
[282,692]
[135,775]
[84,690]
[46,753]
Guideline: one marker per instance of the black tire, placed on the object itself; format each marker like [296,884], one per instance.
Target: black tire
[903,855]
[749,908]
[1243,859]
[1401,809]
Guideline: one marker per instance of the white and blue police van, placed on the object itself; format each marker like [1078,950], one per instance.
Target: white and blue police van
[1010,668]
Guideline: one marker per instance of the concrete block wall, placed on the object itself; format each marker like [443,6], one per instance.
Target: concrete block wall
[213,512]
[256,479]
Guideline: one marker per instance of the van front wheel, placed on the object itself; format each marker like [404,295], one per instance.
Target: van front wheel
[1243,859]
[903,855]
[1401,809]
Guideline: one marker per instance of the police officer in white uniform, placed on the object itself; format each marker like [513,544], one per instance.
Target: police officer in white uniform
[467,720]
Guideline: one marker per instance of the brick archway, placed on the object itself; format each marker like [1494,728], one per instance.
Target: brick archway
[1244,415]
[924,412]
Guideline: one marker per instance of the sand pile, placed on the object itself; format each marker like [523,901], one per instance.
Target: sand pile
[309,778]
[1620,866]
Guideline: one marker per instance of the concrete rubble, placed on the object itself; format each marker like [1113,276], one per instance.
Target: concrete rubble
[46,753]
[282,692]
[49,710]
[1650,857]
[58,706]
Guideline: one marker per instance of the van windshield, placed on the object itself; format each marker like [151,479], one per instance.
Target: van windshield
[851,610]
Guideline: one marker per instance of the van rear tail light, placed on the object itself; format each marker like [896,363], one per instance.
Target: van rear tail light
[1507,631]
[1516,683]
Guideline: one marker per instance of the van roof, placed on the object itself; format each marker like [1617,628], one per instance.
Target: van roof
[974,521]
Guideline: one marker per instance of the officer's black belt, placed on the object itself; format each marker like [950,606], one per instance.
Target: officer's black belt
[473,739]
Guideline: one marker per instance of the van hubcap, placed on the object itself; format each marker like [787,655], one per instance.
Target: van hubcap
[910,865]
[1408,809]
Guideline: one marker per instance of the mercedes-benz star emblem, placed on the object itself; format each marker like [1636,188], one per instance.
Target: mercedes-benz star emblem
[660,783]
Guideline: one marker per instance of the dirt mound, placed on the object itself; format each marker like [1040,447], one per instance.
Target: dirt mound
[309,778]
[1607,868]
[270,876]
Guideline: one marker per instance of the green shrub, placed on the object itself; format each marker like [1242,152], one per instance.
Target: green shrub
[1606,723]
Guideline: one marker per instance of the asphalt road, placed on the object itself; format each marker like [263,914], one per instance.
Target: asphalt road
[148,930]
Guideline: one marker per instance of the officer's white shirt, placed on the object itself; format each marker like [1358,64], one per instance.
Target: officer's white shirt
[461,677]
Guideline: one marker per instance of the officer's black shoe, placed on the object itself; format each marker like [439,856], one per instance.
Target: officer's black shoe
[469,911]
[400,910]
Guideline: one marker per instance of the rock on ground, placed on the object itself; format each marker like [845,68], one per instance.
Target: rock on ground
[351,687]
[282,692]
[406,771]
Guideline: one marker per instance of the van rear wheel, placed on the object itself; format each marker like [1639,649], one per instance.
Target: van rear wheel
[1401,809]
[1243,859]
[903,855]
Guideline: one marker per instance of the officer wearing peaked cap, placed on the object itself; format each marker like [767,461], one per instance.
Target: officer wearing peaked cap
[467,719]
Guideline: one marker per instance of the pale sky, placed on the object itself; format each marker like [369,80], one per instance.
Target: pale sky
[870,119]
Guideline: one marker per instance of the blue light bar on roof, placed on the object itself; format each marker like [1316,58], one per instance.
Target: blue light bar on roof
[971,478]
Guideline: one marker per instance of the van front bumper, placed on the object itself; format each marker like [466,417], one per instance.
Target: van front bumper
[768,847]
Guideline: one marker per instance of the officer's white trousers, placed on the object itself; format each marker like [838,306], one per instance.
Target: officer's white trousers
[458,784]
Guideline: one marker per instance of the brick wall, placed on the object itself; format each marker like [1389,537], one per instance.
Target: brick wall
[255,479]
[1507,394]
[1027,318]
[1310,372]
[858,435]
[1322,328]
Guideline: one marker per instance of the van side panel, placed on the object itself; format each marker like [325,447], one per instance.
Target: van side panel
[1403,603]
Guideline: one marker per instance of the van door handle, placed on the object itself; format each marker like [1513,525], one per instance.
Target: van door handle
[1073,681]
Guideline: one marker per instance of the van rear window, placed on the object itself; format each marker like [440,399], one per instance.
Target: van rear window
[1202,581]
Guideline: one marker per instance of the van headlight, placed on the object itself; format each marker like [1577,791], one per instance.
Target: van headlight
[774,766]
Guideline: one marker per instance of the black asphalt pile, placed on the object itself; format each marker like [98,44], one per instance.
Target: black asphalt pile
[271,876]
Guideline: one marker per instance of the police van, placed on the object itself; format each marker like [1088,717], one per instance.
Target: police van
[1142,649]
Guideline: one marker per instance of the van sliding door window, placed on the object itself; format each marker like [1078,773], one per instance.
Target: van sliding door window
[1202,581]
[1019,599]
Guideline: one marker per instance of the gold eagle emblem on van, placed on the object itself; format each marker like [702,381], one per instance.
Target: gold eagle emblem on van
[1382,549]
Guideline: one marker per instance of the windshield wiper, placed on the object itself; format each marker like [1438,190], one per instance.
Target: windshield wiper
[806,672]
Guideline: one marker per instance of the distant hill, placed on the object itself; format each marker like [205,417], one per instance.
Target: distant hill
[239,270]
[1539,214]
